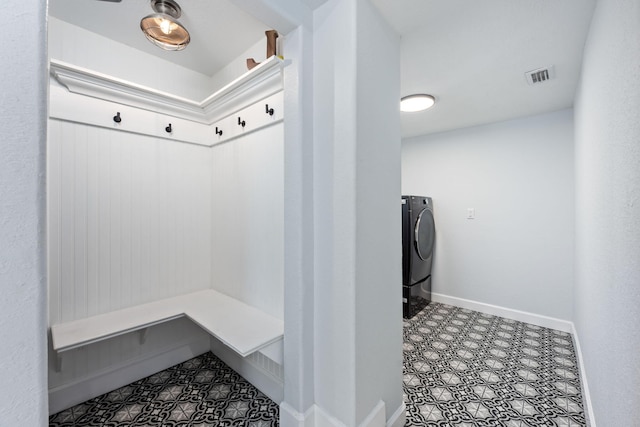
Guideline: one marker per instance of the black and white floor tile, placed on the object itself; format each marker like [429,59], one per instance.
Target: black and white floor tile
[201,392]
[463,368]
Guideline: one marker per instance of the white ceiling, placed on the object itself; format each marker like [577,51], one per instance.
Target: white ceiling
[470,54]
[219,30]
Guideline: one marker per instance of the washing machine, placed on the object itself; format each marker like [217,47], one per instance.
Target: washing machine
[418,238]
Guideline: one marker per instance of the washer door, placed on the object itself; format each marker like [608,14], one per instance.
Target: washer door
[423,237]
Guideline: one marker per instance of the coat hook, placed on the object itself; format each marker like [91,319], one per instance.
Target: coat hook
[241,122]
[218,132]
[117,117]
[268,110]
[168,128]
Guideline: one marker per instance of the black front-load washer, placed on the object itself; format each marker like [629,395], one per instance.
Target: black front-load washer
[418,236]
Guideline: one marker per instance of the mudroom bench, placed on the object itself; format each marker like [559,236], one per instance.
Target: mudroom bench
[241,327]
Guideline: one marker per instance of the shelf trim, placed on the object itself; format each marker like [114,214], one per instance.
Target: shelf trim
[92,83]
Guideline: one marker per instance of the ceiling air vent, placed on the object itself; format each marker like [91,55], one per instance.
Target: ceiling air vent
[540,75]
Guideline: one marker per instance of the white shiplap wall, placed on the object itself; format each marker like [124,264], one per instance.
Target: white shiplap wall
[129,219]
[134,218]
[248,219]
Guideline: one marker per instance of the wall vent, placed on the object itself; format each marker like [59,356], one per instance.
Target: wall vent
[540,75]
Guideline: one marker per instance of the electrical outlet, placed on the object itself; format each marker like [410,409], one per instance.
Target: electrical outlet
[471,213]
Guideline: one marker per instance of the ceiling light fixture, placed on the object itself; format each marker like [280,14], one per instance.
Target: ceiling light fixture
[418,102]
[162,27]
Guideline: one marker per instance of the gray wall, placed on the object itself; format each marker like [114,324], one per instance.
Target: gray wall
[22,225]
[607,288]
[518,175]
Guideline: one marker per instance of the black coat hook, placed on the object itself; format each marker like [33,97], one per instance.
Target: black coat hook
[268,110]
[241,122]
[168,128]
[218,132]
[117,117]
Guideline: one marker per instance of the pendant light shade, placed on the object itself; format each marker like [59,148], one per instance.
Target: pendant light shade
[162,28]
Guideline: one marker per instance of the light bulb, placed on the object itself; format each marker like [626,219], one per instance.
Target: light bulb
[165,26]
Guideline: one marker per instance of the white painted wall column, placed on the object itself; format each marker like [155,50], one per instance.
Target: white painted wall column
[358,332]
[607,293]
[298,230]
[22,215]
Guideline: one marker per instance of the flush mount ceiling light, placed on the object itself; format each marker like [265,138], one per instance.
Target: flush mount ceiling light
[418,102]
[162,28]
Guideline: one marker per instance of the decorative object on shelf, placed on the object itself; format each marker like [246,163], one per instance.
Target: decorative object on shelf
[117,117]
[241,122]
[218,131]
[268,110]
[272,36]
[169,129]
[162,27]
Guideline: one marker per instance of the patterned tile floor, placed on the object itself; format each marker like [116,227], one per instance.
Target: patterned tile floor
[200,392]
[463,368]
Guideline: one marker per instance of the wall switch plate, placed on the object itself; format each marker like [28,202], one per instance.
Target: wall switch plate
[471,213]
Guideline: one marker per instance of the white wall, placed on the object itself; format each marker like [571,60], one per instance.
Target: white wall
[607,290]
[378,258]
[22,215]
[357,230]
[298,233]
[83,48]
[129,220]
[518,175]
[334,209]
[247,219]
[238,66]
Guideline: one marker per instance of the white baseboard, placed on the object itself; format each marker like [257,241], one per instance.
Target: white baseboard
[264,381]
[377,416]
[316,416]
[68,395]
[289,417]
[586,397]
[324,419]
[399,418]
[509,313]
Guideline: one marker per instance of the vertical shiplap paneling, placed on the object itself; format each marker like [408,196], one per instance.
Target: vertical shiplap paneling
[248,219]
[53,219]
[67,224]
[103,225]
[141,256]
[93,231]
[115,217]
[129,222]
[80,212]
[127,219]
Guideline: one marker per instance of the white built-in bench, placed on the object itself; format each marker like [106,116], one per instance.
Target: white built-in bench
[241,327]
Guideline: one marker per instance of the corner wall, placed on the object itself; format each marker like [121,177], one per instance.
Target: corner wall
[22,215]
[518,176]
[357,311]
[607,290]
